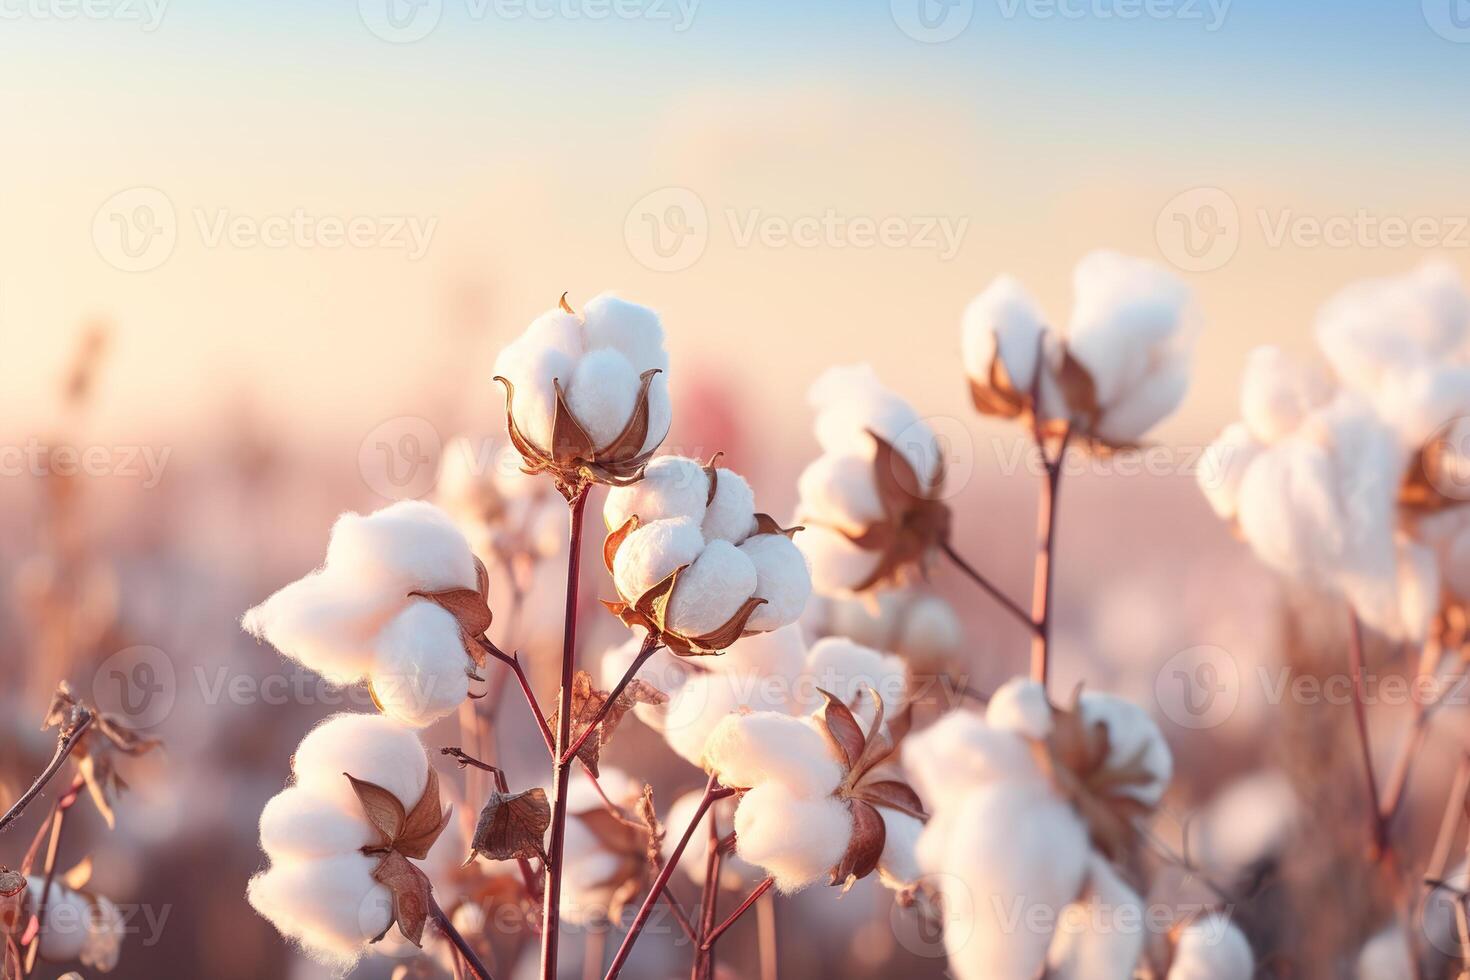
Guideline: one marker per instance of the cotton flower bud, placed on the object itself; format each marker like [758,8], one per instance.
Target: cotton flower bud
[693,561]
[337,860]
[872,502]
[1212,948]
[587,395]
[378,610]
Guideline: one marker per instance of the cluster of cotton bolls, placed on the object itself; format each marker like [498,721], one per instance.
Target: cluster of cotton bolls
[768,672]
[588,391]
[870,503]
[357,617]
[506,514]
[1003,823]
[793,819]
[733,570]
[1119,367]
[79,927]
[1320,474]
[321,888]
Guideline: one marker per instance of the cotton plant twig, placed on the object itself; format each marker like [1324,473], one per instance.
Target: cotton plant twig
[1377,825]
[755,896]
[466,953]
[66,741]
[551,905]
[513,661]
[649,648]
[709,907]
[1046,526]
[713,792]
[1004,601]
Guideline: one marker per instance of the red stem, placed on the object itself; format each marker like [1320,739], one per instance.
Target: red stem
[745,906]
[1005,601]
[703,960]
[650,644]
[1377,825]
[467,954]
[513,661]
[551,901]
[713,791]
[1041,584]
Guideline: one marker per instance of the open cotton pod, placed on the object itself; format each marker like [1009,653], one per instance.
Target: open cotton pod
[695,564]
[587,395]
[871,504]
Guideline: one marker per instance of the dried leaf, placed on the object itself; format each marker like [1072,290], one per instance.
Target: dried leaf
[869,834]
[649,815]
[383,809]
[469,606]
[410,889]
[999,396]
[426,821]
[766,524]
[1078,390]
[587,702]
[512,826]
[617,836]
[894,795]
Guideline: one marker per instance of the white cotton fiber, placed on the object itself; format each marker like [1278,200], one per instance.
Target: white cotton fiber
[839,491]
[652,553]
[603,392]
[731,514]
[704,700]
[1100,937]
[672,486]
[556,330]
[633,330]
[660,412]
[332,906]
[300,824]
[1134,739]
[421,670]
[1287,509]
[1020,706]
[711,590]
[409,545]
[1251,820]
[766,747]
[1006,320]
[370,747]
[1223,466]
[1212,948]
[796,839]
[1015,854]
[930,628]
[533,371]
[838,566]
[846,670]
[898,866]
[1277,393]
[960,751]
[1148,402]
[851,403]
[322,621]
[67,919]
[782,579]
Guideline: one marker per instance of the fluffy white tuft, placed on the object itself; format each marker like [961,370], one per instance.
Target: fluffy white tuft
[602,394]
[766,747]
[672,486]
[369,747]
[653,552]
[1020,706]
[332,906]
[1100,936]
[838,566]
[782,579]
[634,331]
[797,839]
[711,590]
[731,512]
[421,672]
[1003,320]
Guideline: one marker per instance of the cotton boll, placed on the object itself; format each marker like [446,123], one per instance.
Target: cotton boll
[766,747]
[779,653]
[299,824]
[603,392]
[734,872]
[1020,706]
[853,405]
[421,670]
[406,546]
[634,331]
[321,621]
[731,512]
[1212,948]
[898,866]
[1009,840]
[1386,956]
[653,552]
[959,752]
[556,330]
[839,491]
[1134,739]
[1276,393]
[838,566]
[672,486]
[782,579]
[1222,468]
[1148,402]
[711,590]
[796,839]
[333,906]
[532,372]
[370,747]
[1003,320]
[1100,937]
[68,915]
[846,670]
[705,700]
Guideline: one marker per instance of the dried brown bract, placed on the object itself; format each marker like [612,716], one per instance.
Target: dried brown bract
[403,835]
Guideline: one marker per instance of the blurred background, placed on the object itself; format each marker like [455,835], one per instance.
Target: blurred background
[256,262]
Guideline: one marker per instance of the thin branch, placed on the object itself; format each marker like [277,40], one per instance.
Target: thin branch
[466,953]
[501,786]
[1005,601]
[513,661]
[649,647]
[1046,520]
[65,742]
[1377,826]
[745,906]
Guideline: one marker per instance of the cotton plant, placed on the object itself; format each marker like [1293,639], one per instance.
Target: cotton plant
[695,565]
[396,603]
[586,394]
[818,795]
[344,836]
[1039,803]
